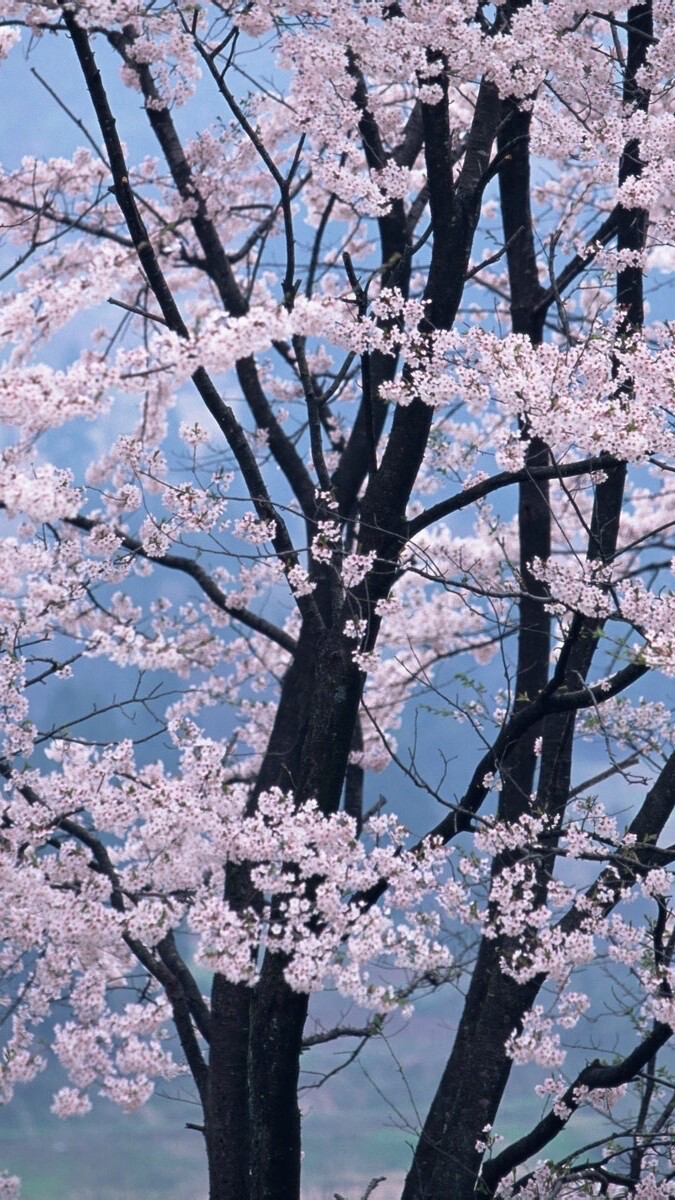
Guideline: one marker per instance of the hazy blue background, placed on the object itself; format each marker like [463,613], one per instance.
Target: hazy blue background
[350,1133]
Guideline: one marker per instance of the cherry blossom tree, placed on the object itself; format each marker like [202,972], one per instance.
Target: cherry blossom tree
[349,398]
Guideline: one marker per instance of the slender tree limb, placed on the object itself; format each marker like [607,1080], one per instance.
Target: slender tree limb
[221,412]
[219,268]
[478,491]
[595,1075]
[172,984]
[44,210]
[189,566]
[135,308]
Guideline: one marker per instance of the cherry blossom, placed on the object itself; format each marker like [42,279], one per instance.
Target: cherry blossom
[337,425]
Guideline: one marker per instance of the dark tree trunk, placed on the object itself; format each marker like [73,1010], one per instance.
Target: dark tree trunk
[277,1021]
[226,1115]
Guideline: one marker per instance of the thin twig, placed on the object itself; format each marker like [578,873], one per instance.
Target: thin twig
[488,262]
[80,124]
[135,308]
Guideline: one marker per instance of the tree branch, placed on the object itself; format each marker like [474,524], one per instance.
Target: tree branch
[595,1075]
[478,491]
[188,566]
